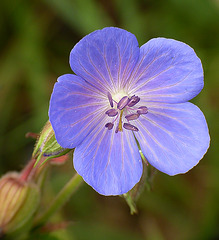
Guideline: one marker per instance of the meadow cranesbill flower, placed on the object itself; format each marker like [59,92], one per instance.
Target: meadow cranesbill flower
[121,93]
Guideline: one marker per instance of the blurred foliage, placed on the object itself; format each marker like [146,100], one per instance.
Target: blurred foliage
[35,41]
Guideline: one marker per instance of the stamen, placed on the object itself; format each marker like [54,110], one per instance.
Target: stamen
[110,99]
[109,125]
[123,103]
[112,112]
[133,100]
[132,116]
[130,127]
[142,110]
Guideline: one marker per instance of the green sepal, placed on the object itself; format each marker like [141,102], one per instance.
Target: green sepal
[149,172]
[24,216]
[47,145]
[146,180]
[132,196]
[50,157]
[131,203]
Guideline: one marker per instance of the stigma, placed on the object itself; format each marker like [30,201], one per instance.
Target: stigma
[123,111]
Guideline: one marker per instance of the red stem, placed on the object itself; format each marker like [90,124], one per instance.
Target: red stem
[28,170]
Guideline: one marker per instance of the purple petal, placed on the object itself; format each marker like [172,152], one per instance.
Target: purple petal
[75,109]
[167,71]
[173,137]
[109,162]
[105,58]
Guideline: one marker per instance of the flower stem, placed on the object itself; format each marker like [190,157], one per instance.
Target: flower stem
[59,200]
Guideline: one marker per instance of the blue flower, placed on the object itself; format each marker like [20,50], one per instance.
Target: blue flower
[121,93]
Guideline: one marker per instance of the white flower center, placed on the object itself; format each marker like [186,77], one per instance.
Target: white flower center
[116,97]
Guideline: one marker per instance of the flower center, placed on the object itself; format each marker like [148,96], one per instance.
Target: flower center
[116,97]
[124,106]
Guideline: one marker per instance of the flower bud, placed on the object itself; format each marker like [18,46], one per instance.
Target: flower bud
[47,145]
[18,202]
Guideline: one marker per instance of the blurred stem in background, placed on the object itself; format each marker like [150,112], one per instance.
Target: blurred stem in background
[59,200]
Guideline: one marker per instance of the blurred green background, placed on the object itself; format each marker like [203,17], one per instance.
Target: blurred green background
[35,41]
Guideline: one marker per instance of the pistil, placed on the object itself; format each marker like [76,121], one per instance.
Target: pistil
[120,122]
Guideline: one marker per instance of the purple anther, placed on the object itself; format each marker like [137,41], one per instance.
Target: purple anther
[142,110]
[133,100]
[110,99]
[109,125]
[130,127]
[123,103]
[132,116]
[117,129]
[112,112]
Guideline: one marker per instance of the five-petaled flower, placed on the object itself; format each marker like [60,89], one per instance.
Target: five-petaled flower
[121,93]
